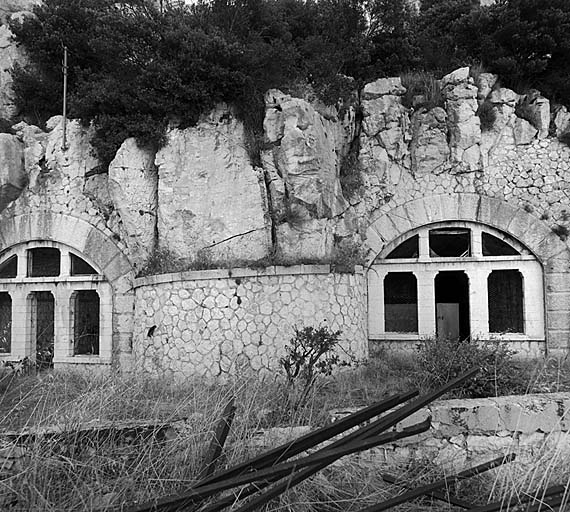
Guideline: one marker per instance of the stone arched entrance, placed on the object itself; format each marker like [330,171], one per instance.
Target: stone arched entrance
[549,250]
[75,240]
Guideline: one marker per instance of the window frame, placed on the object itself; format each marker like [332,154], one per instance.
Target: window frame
[62,288]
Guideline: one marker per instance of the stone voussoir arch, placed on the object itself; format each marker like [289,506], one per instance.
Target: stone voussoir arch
[535,234]
[548,248]
[97,247]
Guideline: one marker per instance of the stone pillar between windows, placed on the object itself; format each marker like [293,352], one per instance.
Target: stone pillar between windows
[478,301]
[426,302]
[476,241]
[22,263]
[21,344]
[375,301]
[533,299]
[63,343]
[65,264]
[423,245]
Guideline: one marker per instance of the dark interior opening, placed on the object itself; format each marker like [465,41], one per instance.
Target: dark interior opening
[450,242]
[9,268]
[86,323]
[43,328]
[505,301]
[452,304]
[79,267]
[407,249]
[493,246]
[44,262]
[5,323]
[400,302]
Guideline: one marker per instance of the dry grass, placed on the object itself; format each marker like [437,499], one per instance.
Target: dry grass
[112,473]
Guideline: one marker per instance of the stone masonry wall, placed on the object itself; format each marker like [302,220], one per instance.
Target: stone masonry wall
[466,432]
[222,322]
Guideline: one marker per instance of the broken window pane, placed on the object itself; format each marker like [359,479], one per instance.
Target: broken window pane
[43,262]
[505,300]
[79,267]
[9,268]
[493,246]
[450,242]
[5,323]
[407,249]
[86,323]
[400,302]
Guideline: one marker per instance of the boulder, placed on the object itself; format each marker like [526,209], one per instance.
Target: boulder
[562,121]
[429,148]
[503,96]
[523,132]
[536,109]
[455,77]
[13,177]
[209,194]
[133,187]
[307,155]
[485,84]
[383,86]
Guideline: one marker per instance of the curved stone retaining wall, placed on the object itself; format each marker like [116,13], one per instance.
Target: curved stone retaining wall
[216,322]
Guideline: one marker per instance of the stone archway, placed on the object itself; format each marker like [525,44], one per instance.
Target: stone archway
[387,227]
[99,248]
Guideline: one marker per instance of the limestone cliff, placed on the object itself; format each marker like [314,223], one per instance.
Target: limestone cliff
[200,198]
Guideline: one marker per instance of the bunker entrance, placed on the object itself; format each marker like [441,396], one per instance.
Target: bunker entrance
[452,305]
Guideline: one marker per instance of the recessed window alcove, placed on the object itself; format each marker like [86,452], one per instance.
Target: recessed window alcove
[55,306]
[456,279]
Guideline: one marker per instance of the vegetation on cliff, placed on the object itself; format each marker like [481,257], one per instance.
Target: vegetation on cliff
[134,67]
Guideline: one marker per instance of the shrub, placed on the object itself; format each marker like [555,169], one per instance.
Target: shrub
[350,174]
[423,86]
[310,355]
[442,359]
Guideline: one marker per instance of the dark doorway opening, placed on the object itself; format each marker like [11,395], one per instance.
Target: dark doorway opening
[42,328]
[452,305]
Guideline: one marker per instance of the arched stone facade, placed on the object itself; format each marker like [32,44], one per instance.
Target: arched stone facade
[99,249]
[547,247]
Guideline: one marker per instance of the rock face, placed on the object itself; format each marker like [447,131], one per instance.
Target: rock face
[13,177]
[536,109]
[133,187]
[210,198]
[430,150]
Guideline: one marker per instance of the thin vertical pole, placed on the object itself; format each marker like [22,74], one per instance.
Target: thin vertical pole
[64,142]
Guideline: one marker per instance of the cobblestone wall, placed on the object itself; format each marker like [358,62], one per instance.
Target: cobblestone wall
[218,322]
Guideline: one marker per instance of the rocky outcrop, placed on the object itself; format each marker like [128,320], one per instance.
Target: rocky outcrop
[306,152]
[429,147]
[536,109]
[13,177]
[210,197]
[133,188]
[464,125]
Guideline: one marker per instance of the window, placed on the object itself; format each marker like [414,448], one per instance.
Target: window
[407,249]
[9,268]
[505,300]
[86,322]
[55,306]
[449,242]
[456,279]
[400,302]
[5,323]
[44,262]
[79,267]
